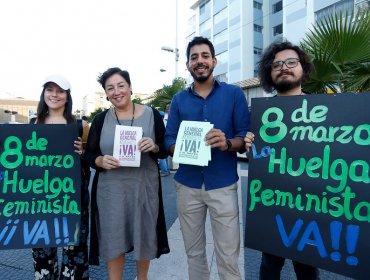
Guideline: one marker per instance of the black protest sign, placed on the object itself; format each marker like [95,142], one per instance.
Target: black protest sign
[40,186]
[309,181]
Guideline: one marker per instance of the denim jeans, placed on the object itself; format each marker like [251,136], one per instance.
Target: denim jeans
[163,166]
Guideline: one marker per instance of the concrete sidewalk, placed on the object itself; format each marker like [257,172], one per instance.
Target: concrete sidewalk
[174,265]
[18,264]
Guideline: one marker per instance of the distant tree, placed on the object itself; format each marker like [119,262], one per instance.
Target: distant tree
[162,97]
[137,100]
[93,114]
[339,46]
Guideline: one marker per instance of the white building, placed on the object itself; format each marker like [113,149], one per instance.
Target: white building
[241,29]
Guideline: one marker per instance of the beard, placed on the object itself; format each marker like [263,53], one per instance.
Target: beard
[286,85]
[202,78]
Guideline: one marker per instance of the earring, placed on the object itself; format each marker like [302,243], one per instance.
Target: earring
[107,98]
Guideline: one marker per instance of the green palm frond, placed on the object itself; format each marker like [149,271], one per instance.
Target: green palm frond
[360,81]
[339,46]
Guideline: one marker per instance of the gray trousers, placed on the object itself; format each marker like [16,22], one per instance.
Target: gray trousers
[192,205]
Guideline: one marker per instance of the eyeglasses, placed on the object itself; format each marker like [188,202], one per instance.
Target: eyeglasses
[289,62]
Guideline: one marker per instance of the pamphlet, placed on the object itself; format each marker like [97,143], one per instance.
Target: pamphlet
[190,146]
[125,147]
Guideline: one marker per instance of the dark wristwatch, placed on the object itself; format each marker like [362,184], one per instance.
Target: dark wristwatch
[229,144]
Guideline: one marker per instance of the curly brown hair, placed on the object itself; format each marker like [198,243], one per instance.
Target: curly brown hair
[268,56]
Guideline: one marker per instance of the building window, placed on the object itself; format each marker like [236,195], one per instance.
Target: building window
[257,5]
[220,16]
[362,5]
[191,25]
[220,37]
[222,57]
[277,7]
[207,25]
[219,3]
[278,29]
[205,8]
[257,28]
[222,77]
[257,51]
[335,9]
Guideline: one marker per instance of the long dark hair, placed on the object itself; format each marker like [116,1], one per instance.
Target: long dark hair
[43,109]
[268,56]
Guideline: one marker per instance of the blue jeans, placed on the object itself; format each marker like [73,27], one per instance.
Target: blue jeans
[163,166]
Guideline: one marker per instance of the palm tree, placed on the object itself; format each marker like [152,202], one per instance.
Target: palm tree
[339,47]
[162,97]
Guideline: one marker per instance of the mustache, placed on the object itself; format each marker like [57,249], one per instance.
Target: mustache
[285,73]
[200,65]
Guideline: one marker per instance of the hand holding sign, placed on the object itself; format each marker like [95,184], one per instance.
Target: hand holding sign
[308,193]
[216,139]
[147,144]
[248,139]
[190,145]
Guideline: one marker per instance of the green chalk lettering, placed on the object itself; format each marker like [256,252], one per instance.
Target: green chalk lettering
[9,151]
[273,126]
[36,144]
[342,205]
[317,114]
[320,167]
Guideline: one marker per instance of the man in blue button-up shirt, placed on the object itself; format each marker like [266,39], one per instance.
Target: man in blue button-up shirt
[212,187]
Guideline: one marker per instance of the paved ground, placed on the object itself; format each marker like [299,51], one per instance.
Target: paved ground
[173,266]
[17,264]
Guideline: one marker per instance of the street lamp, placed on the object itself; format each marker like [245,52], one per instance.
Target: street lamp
[176,52]
[12,114]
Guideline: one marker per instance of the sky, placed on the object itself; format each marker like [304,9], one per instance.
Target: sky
[80,39]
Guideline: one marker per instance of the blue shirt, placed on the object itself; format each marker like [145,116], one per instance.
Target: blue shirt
[227,109]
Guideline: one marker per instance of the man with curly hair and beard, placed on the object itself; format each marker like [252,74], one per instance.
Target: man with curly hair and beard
[283,67]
